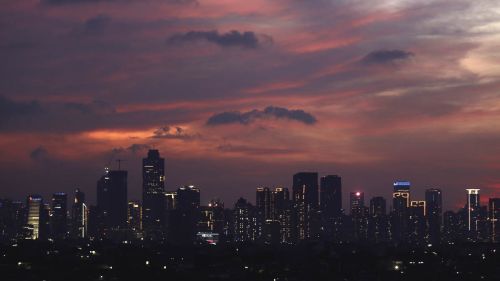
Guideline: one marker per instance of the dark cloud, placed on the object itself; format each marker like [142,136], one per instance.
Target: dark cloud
[168,132]
[97,24]
[252,150]
[386,56]
[133,149]
[63,2]
[39,154]
[9,108]
[247,39]
[269,112]
[94,107]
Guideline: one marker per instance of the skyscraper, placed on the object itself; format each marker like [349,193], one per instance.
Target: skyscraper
[416,222]
[305,198]
[378,206]
[153,198]
[59,218]
[400,205]
[472,207]
[263,208]
[331,196]
[134,218]
[184,218]
[282,212]
[434,211]
[79,215]
[244,217]
[35,205]
[112,200]
[494,218]
[359,215]
[378,223]
[357,203]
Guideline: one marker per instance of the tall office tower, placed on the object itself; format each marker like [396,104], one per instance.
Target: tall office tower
[378,206]
[494,219]
[416,222]
[282,213]
[305,199]
[434,211]
[357,203]
[112,201]
[451,226]
[206,221]
[331,196]
[34,204]
[171,200]
[359,215]
[378,223]
[59,217]
[184,219]
[263,208]
[79,215]
[169,212]
[473,210]
[153,197]
[218,218]
[134,218]
[330,205]
[400,205]
[12,219]
[244,221]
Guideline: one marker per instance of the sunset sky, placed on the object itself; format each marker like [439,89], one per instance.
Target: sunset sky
[241,94]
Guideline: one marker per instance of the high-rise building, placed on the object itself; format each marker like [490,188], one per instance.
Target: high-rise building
[305,198]
[473,209]
[378,206]
[59,216]
[331,196]
[434,212]
[263,208]
[357,203]
[494,218]
[399,215]
[134,218]
[359,215]
[244,221]
[281,207]
[12,219]
[34,204]
[378,223]
[416,222]
[153,197]
[112,201]
[184,218]
[330,206]
[79,215]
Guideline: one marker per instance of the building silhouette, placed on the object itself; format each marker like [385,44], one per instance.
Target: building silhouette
[79,215]
[153,197]
[305,199]
[112,202]
[59,216]
[434,213]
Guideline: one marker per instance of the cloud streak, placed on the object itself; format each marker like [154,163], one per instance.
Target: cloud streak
[245,118]
[234,38]
[386,56]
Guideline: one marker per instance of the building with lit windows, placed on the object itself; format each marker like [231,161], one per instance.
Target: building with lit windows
[153,197]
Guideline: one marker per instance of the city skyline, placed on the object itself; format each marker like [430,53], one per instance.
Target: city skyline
[138,192]
[312,210]
[238,95]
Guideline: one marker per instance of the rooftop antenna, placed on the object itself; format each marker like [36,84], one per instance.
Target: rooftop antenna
[119,163]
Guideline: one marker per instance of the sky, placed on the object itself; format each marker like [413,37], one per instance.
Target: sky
[241,94]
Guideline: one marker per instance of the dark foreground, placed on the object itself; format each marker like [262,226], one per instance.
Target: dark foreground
[28,260]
